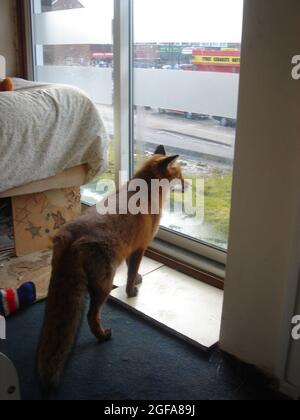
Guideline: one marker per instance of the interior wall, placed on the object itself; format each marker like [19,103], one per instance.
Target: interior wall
[9,37]
[263,260]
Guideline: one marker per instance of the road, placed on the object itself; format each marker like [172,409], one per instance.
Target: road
[192,139]
[188,147]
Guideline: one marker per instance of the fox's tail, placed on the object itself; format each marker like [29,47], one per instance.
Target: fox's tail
[62,318]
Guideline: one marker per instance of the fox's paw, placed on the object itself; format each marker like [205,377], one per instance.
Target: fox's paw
[133,293]
[139,279]
[106,336]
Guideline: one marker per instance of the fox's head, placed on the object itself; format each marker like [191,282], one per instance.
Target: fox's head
[160,166]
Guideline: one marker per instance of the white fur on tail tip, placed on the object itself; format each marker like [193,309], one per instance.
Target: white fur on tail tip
[2,67]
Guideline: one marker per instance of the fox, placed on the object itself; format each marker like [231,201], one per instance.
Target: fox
[86,255]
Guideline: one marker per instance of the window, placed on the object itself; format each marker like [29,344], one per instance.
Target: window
[73,45]
[225,60]
[180,88]
[192,111]
[55,5]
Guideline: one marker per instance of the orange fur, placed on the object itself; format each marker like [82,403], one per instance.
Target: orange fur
[87,253]
[7,85]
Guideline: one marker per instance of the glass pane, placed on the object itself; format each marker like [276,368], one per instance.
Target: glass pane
[74,46]
[186,80]
[55,5]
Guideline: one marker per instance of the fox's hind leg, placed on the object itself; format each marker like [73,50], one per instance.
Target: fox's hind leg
[139,277]
[134,278]
[99,289]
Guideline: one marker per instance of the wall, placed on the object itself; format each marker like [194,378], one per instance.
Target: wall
[263,260]
[8,36]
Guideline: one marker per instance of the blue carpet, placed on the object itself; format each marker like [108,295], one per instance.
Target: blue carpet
[142,362]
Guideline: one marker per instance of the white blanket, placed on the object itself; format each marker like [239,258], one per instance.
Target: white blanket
[45,129]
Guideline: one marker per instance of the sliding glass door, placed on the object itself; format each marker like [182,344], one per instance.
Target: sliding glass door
[73,44]
[186,80]
[171,77]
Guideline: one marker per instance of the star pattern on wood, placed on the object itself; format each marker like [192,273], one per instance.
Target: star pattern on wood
[59,220]
[22,215]
[34,230]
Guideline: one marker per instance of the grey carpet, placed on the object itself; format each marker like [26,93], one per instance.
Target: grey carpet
[142,362]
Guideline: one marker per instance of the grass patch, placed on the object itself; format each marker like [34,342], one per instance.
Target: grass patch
[217,194]
[218,202]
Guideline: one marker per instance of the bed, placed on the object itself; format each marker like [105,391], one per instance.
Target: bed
[46,129]
[52,141]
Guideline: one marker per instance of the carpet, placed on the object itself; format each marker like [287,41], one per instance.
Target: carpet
[141,362]
[35,267]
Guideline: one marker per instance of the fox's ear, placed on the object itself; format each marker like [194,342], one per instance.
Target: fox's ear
[168,161]
[160,151]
